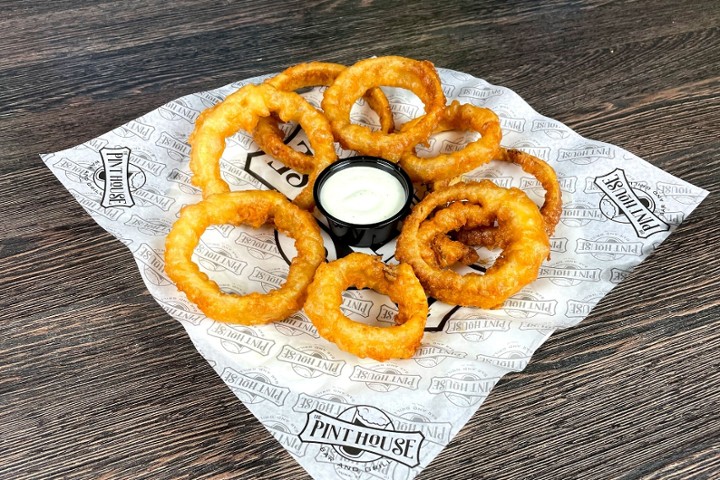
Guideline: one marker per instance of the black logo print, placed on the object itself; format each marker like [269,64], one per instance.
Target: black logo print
[118,178]
[631,203]
[362,435]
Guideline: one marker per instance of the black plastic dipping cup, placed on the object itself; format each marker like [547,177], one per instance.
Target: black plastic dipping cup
[368,235]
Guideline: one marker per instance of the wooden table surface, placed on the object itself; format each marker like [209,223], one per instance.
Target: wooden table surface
[97,381]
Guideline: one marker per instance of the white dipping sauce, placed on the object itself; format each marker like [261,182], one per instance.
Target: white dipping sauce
[362,195]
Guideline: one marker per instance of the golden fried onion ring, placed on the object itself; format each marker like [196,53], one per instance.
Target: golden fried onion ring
[526,247]
[448,252]
[241,111]
[457,116]
[550,210]
[267,133]
[365,271]
[254,208]
[419,77]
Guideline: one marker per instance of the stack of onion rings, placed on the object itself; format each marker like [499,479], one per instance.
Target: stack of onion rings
[552,204]
[442,229]
[447,251]
[525,247]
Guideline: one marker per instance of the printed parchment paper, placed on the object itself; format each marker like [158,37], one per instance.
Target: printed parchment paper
[337,415]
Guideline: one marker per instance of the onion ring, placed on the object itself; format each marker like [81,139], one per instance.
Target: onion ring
[419,77]
[527,246]
[251,207]
[550,210]
[457,116]
[241,111]
[361,270]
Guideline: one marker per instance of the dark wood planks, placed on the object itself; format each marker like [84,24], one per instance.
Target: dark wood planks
[96,381]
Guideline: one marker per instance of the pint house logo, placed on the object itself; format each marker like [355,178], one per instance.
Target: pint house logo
[627,203]
[363,435]
[116,170]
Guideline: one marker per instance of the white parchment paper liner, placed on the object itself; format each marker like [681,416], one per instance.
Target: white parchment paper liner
[339,416]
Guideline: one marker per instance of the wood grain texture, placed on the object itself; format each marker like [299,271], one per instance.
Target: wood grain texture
[96,381]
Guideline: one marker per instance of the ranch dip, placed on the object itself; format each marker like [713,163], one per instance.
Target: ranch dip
[362,195]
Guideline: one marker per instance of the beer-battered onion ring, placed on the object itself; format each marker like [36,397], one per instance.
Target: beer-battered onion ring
[550,210]
[420,77]
[526,247]
[457,116]
[270,137]
[241,110]
[254,208]
[364,271]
